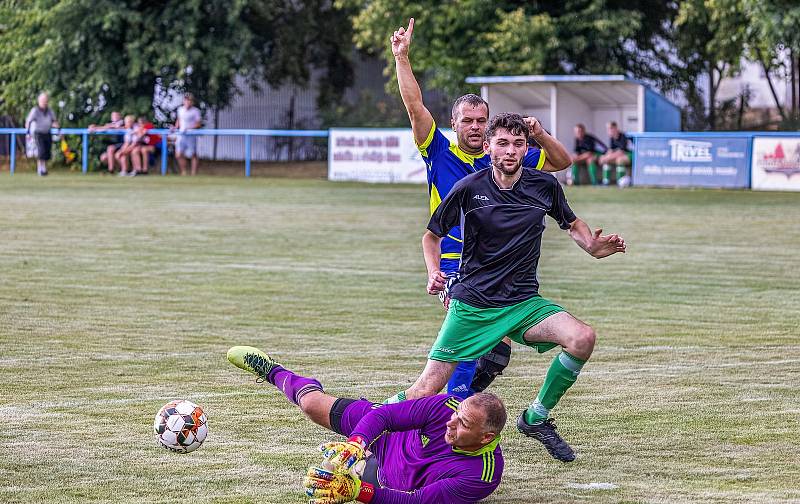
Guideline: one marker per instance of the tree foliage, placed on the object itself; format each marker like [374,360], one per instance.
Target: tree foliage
[774,42]
[455,39]
[710,40]
[95,55]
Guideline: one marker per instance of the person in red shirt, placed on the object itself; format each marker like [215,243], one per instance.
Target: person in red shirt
[148,144]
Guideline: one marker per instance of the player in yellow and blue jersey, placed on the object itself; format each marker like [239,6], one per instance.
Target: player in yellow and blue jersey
[447,163]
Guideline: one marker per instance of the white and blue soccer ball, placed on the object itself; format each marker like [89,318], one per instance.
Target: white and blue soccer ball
[180,426]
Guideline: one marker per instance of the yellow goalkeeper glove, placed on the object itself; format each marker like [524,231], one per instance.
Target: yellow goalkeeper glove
[342,456]
[326,487]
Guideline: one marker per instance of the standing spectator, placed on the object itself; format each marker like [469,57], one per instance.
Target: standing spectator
[186,145]
[116,141]
[39,122]
[619,154]
[586,149]
[148,145]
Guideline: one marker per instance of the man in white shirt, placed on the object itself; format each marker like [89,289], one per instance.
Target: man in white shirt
[189,118]
[38,123]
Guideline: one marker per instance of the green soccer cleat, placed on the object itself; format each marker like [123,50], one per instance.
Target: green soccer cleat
[253,360]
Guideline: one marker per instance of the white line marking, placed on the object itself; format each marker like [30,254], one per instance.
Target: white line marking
[591,486]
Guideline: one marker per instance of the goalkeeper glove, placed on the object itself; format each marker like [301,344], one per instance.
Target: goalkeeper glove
[326,487]
[342,456]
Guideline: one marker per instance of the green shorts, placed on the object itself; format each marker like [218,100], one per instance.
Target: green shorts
[468,333]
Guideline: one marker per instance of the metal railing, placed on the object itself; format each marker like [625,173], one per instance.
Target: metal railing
[248,134]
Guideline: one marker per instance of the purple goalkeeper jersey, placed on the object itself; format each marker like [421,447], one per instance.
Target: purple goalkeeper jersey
[416,465]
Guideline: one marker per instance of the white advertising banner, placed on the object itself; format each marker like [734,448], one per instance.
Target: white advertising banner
[776,163]
[375,155]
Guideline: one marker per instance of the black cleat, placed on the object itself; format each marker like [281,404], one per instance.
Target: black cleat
[545,432]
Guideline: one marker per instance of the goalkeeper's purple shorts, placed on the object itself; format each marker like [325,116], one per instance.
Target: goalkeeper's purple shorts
[344,416]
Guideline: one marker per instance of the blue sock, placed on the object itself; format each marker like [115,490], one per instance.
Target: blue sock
[460,383]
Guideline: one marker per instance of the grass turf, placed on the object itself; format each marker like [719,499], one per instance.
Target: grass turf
[119,295]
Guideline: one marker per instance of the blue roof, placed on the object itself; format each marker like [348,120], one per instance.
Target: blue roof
[507,79]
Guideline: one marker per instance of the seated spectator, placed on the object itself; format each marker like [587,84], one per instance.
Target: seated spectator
[587,147]
[125,152]
[113,142]
[189,118]
[619,154]
[147,147]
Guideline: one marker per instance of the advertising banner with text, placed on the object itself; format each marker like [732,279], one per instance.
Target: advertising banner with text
[376,155]
[692,161]
[776,163]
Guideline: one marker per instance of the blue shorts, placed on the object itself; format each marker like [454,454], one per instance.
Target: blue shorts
[186,145]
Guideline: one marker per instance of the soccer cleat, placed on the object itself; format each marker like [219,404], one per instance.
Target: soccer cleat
[545,432]
[253,360]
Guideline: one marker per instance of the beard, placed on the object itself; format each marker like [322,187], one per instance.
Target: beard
[473,141]
[508,171]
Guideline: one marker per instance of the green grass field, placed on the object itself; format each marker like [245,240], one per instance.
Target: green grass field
[119,295]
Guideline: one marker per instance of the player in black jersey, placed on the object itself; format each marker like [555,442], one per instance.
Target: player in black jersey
[618,154]
[501,210]
[587,148]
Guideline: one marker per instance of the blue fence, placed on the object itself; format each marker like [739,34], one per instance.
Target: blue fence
[85,133]
[688,159]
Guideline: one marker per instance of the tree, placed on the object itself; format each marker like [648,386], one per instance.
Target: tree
[95,55]
[709,38]
[774,42]
[469,37]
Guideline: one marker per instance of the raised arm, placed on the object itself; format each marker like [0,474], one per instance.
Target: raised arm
[557,157]
[595,244]
[421,118]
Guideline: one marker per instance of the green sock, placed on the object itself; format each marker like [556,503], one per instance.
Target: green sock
[575,174]
[562,374]
[591,168]
[621,172]
[398,397]
[606,173]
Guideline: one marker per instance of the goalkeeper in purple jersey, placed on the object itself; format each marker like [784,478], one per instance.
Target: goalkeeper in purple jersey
[447,163]
[436,450]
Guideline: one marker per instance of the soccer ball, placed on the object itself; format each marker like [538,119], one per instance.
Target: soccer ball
[180,426]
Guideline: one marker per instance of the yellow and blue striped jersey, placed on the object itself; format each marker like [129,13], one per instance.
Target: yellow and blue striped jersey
[447,164]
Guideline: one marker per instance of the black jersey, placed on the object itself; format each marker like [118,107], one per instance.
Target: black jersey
[589,143]
[502,231]
[619,143]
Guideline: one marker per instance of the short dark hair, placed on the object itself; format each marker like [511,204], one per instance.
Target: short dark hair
[472,99]
[507,121]
[494,409]
[613,124]
[581,126]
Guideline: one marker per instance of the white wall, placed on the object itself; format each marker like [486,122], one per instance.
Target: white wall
[541,113]
[626,117]
[571,110]
[500,102]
